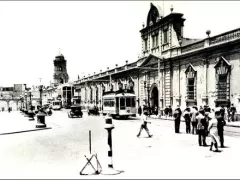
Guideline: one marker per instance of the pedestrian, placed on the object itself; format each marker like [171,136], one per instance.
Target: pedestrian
[156,110]
[166,111]
[233,111]
[177,119]
[194,120]
[220,126]
[201,123]
[213,131]
[170,111]
[139,111]
[9,109]
[144,123]
[186,116]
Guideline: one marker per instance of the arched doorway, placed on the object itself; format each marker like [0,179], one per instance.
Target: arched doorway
[154,97]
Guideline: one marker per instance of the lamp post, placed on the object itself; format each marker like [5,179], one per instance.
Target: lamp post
[40,91]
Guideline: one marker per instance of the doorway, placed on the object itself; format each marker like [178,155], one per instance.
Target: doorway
[154,97]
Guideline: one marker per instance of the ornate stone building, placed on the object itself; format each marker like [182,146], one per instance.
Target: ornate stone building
[173,70]
[60,75]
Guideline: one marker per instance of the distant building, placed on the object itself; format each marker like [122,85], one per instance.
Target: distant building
[60,75]
[12,97]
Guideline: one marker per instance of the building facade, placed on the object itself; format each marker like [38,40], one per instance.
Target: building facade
[12,97]
[173,70]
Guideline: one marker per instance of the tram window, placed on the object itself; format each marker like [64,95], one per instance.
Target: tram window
[122,103]
[133,102]
[128,102]
[109,103]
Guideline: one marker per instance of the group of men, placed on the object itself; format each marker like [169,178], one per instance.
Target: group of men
[198,120]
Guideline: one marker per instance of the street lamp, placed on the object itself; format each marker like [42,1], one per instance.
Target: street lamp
[40,91]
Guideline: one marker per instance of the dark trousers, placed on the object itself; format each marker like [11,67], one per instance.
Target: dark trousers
[202,137]
[194,127]
[144,126]
[221,138]
[188,126]
[177,125]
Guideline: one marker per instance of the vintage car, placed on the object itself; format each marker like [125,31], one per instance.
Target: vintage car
[93,110]
[76,111]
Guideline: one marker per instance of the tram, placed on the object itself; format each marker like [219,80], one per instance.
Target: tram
[56,104]
[119,104]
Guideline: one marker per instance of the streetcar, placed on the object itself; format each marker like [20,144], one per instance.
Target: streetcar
[119,104]
[56,104]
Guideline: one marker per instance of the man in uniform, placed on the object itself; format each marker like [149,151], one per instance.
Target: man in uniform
[201,126]
[177,120]
[220,126]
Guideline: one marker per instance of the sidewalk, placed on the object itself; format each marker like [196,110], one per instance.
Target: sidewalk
[230,124]
[15,122]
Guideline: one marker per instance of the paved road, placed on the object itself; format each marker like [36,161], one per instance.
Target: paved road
[59,152]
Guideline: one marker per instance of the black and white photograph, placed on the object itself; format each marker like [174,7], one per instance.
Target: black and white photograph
[119,89]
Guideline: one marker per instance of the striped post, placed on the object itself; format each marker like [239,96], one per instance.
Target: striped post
[109,127]
[110,163]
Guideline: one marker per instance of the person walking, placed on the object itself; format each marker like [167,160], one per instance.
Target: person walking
[139,111]
[170,111]
[186,116]
[201,123]
[177,119]
[213,131]
[144,123]
[232,111]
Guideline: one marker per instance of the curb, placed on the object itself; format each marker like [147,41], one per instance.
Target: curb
[228,125]
[30,130]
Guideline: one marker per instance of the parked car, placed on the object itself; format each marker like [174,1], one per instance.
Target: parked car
[76,111]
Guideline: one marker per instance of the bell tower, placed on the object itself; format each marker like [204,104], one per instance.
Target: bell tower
[60,75]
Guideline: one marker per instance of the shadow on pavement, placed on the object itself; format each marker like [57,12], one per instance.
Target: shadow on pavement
[25,131]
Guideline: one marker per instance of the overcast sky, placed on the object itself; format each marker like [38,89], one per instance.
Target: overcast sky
[91,35]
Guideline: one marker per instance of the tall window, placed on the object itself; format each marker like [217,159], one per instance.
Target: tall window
[190,88]
[155,40]
[191,83]
[165,35]
[91,96]
[222,81]
[96,94]
[222,86]
[145,44]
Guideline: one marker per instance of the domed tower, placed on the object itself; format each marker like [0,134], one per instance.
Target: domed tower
[60,75]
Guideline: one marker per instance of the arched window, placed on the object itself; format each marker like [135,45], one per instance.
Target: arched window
[191,83]
[222,68]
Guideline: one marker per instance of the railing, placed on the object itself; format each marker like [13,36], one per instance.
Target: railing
[225,37]
[132,65]
[193,46]
[111,71]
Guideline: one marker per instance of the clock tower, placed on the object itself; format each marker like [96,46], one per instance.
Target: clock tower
[60,75]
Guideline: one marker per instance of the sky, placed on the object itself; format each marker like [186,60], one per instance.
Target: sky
[92,35]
